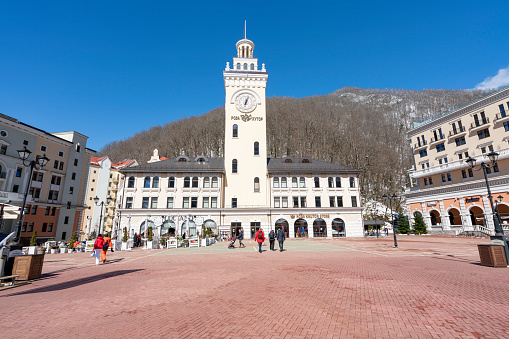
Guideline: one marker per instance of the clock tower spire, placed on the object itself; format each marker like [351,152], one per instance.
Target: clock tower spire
[245,153]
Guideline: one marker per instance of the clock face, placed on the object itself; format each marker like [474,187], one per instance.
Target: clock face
[245,102]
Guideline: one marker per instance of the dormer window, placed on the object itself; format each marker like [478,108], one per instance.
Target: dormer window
[252,67]
[238,65]
[306,161]
[245,67]
[288,161]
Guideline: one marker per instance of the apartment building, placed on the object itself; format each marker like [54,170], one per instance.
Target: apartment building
[55,192]
[452,196]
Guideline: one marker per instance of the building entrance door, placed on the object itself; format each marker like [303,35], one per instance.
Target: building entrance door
[235,229]
[255,226]
[284,224]
[300,227]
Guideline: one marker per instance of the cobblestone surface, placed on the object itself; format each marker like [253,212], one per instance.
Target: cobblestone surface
[431,287]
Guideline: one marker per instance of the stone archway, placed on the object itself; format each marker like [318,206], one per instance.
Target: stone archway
[454,217]
[477,216]
[435,218]
[168,228]
[319,228]
[284,224]
[338,228]
[300,228]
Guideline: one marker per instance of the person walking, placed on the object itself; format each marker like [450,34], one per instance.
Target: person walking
[272,238]
[138,244]
[241,237]
[106,245]
[259,237]
[135,240]
[98,246]
[281,238]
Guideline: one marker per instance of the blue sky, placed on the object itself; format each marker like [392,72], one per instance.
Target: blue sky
[110,69]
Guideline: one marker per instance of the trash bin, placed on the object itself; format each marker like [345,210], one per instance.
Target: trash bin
[492,255]
[501,240]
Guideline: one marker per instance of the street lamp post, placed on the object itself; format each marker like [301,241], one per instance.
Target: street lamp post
[96,200]
[38,163]
[498,201]
[390,198]
[493,156]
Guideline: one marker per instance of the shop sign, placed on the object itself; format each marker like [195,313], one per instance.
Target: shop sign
[309,216]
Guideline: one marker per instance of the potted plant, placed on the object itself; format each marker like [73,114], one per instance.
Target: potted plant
[72,240]
[149,238]
[54,249]
[162,242]
[32,249]
[124,240]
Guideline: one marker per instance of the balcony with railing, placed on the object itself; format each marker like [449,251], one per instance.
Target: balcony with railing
[478,125]
[500,118]
[419,146]
[458,132]
[436,140]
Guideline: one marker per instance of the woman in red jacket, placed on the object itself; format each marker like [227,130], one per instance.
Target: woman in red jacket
[98,247]
[259,237]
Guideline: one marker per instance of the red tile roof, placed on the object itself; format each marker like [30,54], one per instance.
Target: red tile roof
[96,160]
[122,164]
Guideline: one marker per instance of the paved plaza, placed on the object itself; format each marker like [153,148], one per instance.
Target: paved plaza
[431,287]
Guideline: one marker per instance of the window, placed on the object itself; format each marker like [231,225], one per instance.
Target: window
[330,182]
[460,141]
[506,125]
[75,162]
[338,182]
[129,202]
[78,148]
[238,65]
[234,202]
[449,177]
[3,149]
[483,150]
[340,201]
[19,170]
[235,131]
[470,173]
[34,209]
[130,182]
[171,182]
[169,202]
[495,168]
[73,176]
[440,147]
[44,226]
[55,165]
[257,184]
[55,180]
[318,202]
[430,181]
[71,190]
[332,201]
[252,67]
[484,133]
[66,220]
[50,227]
[53,195]
[302,182]
[144,203]
[206,182]
[187,182]
[234,166]
[302,201]
[245,67]
[423,153]
[317,182]
[153,202]
[24,227]
[194,202]
[30,227]
[502,111]
[213,202]
[53,211]
[277,201]
[354,201]
[490,147]
[3,133]
[284,202]
[256,148]
[205,203]
[295,202]
[464,174]
[146,182]
[15,188]
[185,202]
[111,175]
[214,182]
[425,181]
[61,154]
[195,182]
[61,166]
[443,178]
[155,182]
[352,182]
[294,183]
[48,209]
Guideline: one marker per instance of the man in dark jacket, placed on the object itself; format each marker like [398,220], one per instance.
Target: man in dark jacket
[241,237]
[281,238]
[272,238]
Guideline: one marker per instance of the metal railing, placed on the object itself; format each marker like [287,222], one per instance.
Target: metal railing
[480,123]
[458,131]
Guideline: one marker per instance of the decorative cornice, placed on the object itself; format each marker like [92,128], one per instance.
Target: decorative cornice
[480,184]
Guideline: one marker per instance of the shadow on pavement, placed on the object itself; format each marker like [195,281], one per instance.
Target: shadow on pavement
[74,283]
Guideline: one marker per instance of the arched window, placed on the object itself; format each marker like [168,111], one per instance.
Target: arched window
[283,182]
[317,182]
[234,166]
[238,65]
[187,182]
[214,182]
[252,67]
[146,182]
[352,182]
[130,183]
[331,182]
[235,132]
[276,182]
[206,182]
[338,182]
[155,182]
[245,67]
[171,182]
[256,148]
[294,182]
[302,181]
[257,184]
[195,182]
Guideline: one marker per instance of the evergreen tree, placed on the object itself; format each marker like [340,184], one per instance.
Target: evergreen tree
[419,225]
[33,241]
[124,238]
[402,224]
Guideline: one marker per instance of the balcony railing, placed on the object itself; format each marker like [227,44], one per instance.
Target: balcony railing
[479,124]
[499,117]
[457,131]
[434,140]
[421,145]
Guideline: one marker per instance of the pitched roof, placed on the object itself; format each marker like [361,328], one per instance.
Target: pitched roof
[305,165]
[96,161]
[123,163]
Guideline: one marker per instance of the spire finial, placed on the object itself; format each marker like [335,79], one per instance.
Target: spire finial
[245,29]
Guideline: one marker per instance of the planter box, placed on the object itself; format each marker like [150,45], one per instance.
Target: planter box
[28,267]
[171,243]
[491,255]
[124,246]
[194,242]
[53,250]
[149,245]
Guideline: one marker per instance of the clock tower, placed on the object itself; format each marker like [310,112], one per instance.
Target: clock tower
[245,153]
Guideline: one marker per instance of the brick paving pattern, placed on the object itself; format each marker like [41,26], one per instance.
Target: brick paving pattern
[431,287]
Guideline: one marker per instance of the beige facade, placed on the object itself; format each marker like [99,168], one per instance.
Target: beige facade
[451,196]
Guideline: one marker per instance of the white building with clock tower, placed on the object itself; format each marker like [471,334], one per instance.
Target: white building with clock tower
[245,190]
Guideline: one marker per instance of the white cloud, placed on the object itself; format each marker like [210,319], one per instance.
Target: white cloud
[502,78]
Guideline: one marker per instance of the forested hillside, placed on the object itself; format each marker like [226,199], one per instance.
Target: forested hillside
[359,128]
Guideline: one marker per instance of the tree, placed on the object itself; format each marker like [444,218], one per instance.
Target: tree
[124,238]
[72,240]
[402,224]
[419,225]
[33,241]
[150,235]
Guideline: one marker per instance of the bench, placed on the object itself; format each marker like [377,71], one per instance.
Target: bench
[12,277]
